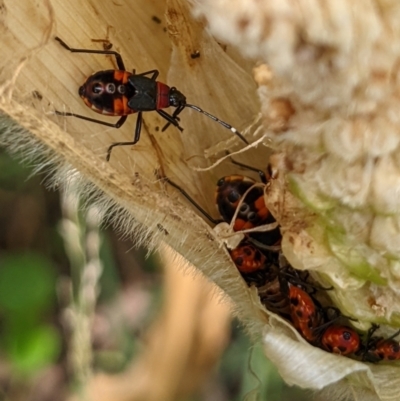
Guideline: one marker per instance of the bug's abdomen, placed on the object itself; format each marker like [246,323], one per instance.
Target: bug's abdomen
[107,92]
[252,212]
[342,340]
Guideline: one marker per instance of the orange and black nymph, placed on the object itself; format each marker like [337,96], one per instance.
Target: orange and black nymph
[121,93]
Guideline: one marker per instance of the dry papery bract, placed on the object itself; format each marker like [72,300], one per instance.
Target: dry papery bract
[126,189]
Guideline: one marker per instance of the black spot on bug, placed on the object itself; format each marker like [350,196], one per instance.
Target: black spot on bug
[156,19]
[239,261]
[347,335]
[220,182]
[233,197]
[299,313]
[244,207]
[252,216]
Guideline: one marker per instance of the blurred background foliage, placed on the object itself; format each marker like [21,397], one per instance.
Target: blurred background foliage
[45,293]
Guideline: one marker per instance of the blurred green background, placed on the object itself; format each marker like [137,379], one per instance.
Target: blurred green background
[39,297]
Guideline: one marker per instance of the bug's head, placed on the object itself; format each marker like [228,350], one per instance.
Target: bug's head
[176,98]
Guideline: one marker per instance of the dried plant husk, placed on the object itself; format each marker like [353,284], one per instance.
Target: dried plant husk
[38,76]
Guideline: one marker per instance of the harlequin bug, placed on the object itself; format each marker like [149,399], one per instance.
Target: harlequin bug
[248,259]
[342,340]
[306,315]
[120,93]
[240,191]
[252,210]
[273,298]
[379,349]
[262,270]
[255,266]
[266,271]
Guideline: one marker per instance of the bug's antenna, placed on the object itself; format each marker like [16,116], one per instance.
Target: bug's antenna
[226,125]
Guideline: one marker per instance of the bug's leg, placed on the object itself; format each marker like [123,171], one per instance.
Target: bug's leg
[178,111]
[175,114]
[153,77]
[369,343]
[138,128]
[336,314]
[118,124]
[263,178]
[188,197]
[170,119]
[393,335]
[129,143]
[118,57]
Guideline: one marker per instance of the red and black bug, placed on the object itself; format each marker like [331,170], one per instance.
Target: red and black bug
[257,267]
[252,209]
[120,93]
[342,340]
[261,269]
[380,349]
[313,322]
[273,298]
[306,314]
[249,260]
[279,289]
[237,191]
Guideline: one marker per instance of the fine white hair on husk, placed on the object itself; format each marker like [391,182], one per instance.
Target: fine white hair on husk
[143,228]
